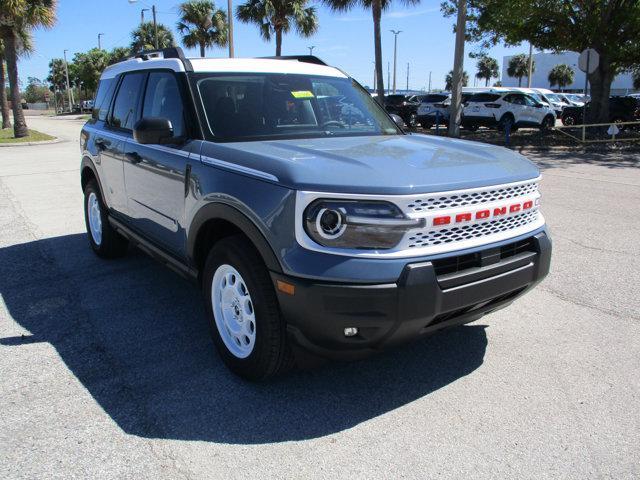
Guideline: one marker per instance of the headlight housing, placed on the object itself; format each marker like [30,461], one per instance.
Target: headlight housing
[357,224]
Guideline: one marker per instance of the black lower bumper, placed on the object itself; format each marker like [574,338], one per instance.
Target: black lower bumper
[428,296]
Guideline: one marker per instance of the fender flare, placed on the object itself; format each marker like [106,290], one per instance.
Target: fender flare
[228,213]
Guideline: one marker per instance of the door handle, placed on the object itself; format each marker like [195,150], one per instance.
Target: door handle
[133,157]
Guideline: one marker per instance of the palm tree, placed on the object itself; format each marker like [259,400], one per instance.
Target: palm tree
[448,80]
[277,17]
[519,67]
[202,24]
[16,18]
[561,75]
[376,7]
[487,69]
[118,54]
[4,101]
[143,37]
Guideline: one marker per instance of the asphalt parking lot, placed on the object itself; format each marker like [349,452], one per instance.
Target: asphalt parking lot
[107,370]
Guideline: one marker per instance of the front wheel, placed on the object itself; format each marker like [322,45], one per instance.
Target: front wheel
[547,124]
[243,312]
[105,241]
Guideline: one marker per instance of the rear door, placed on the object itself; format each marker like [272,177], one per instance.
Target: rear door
[156,175]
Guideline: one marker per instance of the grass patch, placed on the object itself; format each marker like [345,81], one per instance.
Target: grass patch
[6,136]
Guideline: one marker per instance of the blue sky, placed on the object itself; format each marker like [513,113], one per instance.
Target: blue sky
[343,39]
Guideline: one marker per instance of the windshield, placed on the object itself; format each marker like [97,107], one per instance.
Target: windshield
[272,105]
[553,97]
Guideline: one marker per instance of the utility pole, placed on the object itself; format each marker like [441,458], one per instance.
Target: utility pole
[155,26]
[230,20]
[99,45]
[458,69]
[429,82]
[407,77]
[530,65]
[375,83]
[311,49]
[69,92]
[395,55]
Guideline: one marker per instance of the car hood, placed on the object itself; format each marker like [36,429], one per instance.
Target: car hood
[398,164]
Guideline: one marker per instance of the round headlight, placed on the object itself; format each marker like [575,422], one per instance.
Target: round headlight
[330,223]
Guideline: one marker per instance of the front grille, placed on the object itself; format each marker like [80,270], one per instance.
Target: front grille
[513,249]
[471,197]
[427,238]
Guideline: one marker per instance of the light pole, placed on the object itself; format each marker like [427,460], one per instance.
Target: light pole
[142,15]
[230,20]
[530,66]
[395,55]
[311,49]
[429,82]
[388,78]
[155,23]
[99,44]
[66,73]
[407,77]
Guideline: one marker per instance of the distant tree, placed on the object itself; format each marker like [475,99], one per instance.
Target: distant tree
[57,77]
[202,25]
[497,84]
[118,54]
[487,69]
[376,7]
[277,17]
[561,75]
[35,91]
[87,68]
[18,17]
[143,37]
[448,80]
[518,67]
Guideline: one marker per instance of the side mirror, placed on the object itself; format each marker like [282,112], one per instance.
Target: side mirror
[153,130]
[398,120]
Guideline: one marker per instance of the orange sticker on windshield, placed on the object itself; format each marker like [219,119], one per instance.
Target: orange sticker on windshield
[302,94]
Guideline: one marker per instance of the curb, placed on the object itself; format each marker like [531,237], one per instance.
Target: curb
[27,144]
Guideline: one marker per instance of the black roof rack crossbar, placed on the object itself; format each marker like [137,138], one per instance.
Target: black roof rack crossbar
[170,52]
[300,58]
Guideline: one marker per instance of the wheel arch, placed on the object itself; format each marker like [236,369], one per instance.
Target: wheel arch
[215,221]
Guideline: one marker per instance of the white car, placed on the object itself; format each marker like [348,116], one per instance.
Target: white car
[504,110]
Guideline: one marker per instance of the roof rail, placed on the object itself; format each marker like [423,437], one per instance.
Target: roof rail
[300,58]
[170,52]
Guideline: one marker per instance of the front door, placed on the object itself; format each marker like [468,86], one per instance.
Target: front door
[155,175]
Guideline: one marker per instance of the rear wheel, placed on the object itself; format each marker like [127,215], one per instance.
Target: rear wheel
[105,241]
[505,122]
[548,123]
[243,312]
[568,120]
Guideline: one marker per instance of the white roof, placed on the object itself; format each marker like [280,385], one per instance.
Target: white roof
[226,65]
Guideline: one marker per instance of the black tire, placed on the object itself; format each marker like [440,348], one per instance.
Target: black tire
[472,127]
[426,125]
[568,120]
[271,354]
[111,244]
[547,124]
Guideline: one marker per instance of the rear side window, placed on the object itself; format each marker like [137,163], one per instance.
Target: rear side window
[484,97]
[434,98]
[162,99]
[103,98]
[125,106]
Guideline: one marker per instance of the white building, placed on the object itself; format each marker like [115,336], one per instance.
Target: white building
[544,62]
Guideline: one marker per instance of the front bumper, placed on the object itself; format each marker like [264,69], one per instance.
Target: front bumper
[428,296]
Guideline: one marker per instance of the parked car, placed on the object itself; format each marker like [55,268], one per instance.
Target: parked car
[507,110]
[621,109]
[436,108]
[567,101]
[86,105]
[306,235]
[404,106]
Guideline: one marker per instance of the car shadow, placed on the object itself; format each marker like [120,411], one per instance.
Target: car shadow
[133,333]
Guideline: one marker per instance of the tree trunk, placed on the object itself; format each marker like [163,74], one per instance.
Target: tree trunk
[4,103]
[376,10]
[519,81]
[19,124]
[486,83]
[278,41]
[202,49]
[600,82]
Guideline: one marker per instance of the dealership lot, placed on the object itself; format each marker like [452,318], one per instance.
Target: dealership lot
[107,369]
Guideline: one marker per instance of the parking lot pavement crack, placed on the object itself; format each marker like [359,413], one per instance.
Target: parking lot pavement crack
[574,301]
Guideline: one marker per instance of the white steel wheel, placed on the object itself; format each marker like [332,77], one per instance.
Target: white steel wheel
[233,311]
[95,218]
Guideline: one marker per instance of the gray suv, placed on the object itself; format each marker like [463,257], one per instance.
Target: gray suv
[313,224]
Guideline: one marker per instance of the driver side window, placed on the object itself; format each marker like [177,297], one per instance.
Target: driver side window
[162,100]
